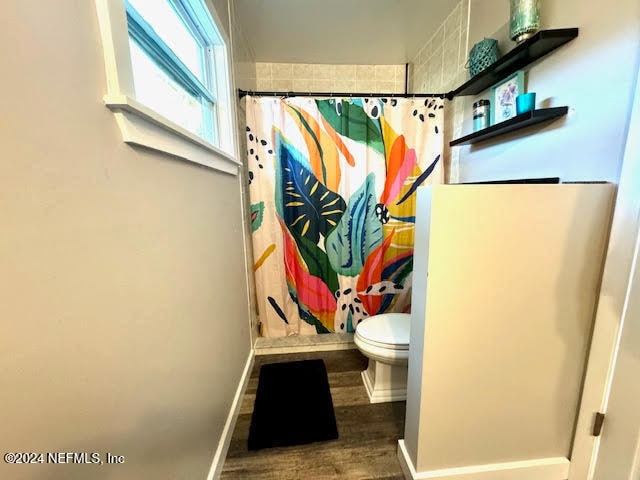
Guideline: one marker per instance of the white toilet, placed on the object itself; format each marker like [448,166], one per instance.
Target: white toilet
[384,339]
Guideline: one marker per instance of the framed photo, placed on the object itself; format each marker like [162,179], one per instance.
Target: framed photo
[503,97]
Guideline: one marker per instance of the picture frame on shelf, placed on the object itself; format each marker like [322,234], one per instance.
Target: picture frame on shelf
[503,97]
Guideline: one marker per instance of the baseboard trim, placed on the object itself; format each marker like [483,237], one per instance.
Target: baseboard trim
[227,432]
[304,348]
[552,468]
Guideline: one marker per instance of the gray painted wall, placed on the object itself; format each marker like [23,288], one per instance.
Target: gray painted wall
[123,302]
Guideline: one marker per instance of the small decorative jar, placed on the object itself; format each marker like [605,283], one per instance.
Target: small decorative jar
[525,19]
[480,115]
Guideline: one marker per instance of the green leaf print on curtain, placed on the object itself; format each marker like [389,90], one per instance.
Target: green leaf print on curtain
[303,202]
[316,303]
[350,119]
[333,206]
[358,233]
[256,213]
[317,261]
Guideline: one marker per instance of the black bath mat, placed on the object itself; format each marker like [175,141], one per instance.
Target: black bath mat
[293,406]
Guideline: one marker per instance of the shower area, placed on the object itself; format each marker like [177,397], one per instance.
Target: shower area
[332,187]
[334,156]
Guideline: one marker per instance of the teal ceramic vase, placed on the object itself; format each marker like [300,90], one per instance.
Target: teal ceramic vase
[525,19]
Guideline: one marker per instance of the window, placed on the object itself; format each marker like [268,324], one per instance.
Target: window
[167,75]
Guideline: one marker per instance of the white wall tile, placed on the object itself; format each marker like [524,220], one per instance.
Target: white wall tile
[444,54]
[464,48]
[438,37]
[464,15]
[264,83]
[366,85]
[424,53]
[427,87]
[453,20]
[281,71]
[385,86]
[303,85]
[451,52]
[282,84]
[345,72]
[322,85]
[437,60]
[263,70]
[324,72]
[302,71]
[326,78]
[400,73]
[344,84]
[365,72]
[385,73]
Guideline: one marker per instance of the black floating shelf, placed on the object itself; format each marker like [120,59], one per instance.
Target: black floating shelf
[527,52]
[516,123]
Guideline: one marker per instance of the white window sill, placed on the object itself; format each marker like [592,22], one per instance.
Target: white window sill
[142,126]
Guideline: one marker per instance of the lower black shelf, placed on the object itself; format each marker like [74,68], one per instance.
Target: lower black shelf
[516,123]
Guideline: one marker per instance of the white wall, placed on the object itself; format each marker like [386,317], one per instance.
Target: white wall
[594,75]
[613,357]
[123,301]
[513,278]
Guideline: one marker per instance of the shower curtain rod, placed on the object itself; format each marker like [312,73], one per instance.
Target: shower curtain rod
[243,93]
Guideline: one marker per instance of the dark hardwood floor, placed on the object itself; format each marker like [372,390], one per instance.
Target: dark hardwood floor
[368,433]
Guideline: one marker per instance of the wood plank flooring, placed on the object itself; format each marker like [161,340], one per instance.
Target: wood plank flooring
[368,433]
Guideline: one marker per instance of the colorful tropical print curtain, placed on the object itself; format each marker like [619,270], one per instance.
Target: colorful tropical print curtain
[332,187]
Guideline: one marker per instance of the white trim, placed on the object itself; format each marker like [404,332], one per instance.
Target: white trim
[609,320]
[552,468]
[324,347]
[225,438]
[142,126]
[304,343]
[115,46]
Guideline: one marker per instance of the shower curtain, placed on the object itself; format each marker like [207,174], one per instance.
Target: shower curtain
[332,190]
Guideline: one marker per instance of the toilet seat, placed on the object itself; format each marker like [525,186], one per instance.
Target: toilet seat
[387,330]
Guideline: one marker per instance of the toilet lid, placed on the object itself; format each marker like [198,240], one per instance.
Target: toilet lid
[390,330]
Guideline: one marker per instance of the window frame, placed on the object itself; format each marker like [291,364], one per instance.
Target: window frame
[144,127]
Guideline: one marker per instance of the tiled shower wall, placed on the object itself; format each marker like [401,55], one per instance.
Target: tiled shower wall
[306,77]
[439,67]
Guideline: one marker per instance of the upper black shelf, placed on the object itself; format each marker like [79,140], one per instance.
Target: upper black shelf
[527,52]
